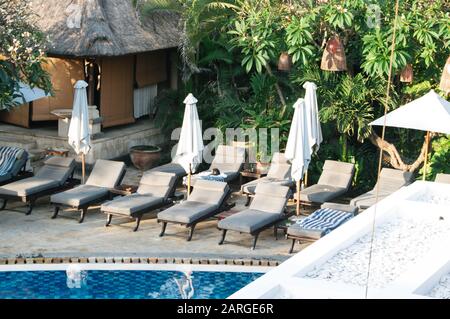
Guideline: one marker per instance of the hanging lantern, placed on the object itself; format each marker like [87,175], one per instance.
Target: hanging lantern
[333,58]
[284,62]
[445,79]
[407,74]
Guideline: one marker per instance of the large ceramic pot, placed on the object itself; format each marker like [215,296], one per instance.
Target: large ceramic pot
[145,157]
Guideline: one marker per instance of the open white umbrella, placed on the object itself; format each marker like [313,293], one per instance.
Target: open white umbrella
[190,145]
[315,130]
[28,94]
[79,135]
[298,148]
[430,113]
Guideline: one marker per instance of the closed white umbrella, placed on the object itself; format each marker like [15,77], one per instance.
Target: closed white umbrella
[430,113]
[298,148]
[315,130]
[190,145]
[79,135]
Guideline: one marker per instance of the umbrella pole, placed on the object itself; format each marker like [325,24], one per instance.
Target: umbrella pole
[83,167]
[305,181]
[189,181]
[298,198]
[427,142]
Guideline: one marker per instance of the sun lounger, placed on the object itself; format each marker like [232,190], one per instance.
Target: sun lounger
[442,178]
[228,160]
[51,178]
[173,168]
[279,173]
[104,176]
[12,162]
[335,180]
[390,181]
[155,191]
[329,217]
[266,209]
[207,199]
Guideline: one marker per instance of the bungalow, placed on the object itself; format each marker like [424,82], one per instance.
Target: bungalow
[125,59]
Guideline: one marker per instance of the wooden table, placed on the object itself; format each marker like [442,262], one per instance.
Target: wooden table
[251,175]
[124,189]
[57,152]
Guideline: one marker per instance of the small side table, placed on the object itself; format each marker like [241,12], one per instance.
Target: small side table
[57,152]
[251,175]
[284,225]
[226,214]
[124,190]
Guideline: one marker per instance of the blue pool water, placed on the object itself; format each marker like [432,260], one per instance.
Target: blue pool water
[122,284]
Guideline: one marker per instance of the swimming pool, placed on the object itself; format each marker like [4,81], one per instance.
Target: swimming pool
[85,282]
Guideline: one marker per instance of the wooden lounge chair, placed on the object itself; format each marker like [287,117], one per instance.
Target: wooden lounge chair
[279,173]
[13,161]
[390,181]
[266,209]
[155,190]
[104,176]
[442,178]
[329,217]
[206,200]
[335,180]
[52,177]
[228,160]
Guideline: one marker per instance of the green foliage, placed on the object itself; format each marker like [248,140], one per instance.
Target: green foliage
[299,39]
[21,52]
[439,159]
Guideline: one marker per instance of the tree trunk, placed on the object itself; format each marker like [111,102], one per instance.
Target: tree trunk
[394,157]
[277,86]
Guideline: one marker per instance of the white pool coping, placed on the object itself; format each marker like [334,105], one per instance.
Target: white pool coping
[286,281]
[141,267]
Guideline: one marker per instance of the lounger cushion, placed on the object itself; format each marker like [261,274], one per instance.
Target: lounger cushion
[79,195]
[442,178]
[321,193]
[368,199]
[5,177]
[174,168]
[248,221]
[319,223]
[270,198]
[337,174]
[389,182]
[129,205]
[313,234]
[187,212]
[106,173]
[249,188]
[341,207]
[392,180]
[57,168]
[209,192]
[157,184]
[228,160]
[280,168]
[28,186]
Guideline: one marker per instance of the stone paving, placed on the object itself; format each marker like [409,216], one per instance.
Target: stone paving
[37,235]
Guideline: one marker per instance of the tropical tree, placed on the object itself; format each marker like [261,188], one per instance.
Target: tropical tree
[21,52]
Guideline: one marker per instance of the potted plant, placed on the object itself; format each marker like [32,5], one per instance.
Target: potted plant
[145,157]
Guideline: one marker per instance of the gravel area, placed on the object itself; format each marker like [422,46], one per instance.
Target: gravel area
[398,244]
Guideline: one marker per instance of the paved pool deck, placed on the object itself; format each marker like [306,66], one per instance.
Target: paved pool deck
[37,235]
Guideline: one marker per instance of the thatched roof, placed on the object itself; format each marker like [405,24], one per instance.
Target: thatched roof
[87,28]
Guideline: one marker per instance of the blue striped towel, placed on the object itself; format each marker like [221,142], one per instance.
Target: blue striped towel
[8,157]
[325,219]
[207,176]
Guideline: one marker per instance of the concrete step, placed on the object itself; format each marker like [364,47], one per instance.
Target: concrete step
[17,142]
